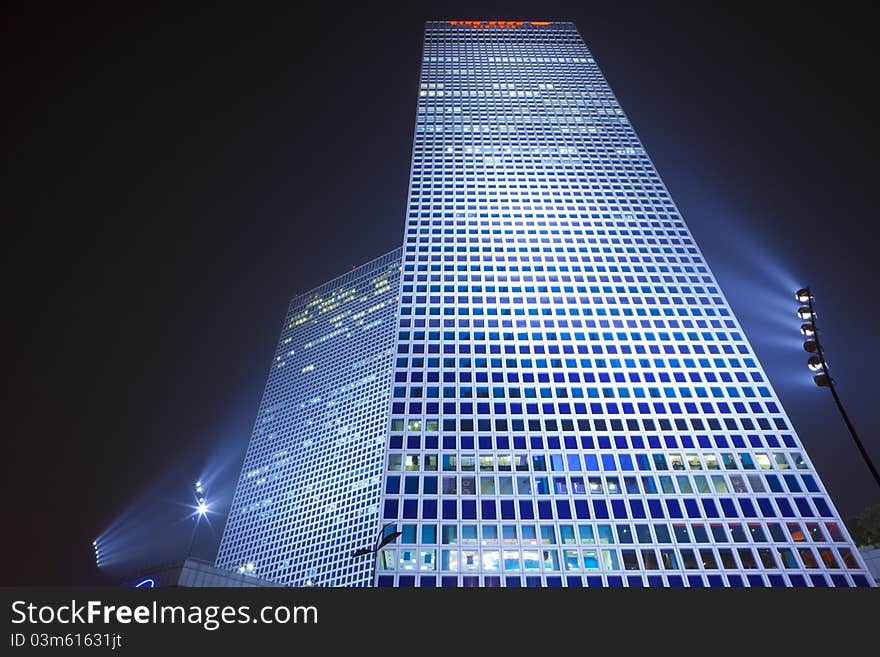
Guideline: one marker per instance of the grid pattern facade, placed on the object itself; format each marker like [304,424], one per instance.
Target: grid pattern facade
[574,403]
[308,494]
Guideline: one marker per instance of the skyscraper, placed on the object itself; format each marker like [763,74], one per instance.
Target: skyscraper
[570,400]
[574,402]
[308,494]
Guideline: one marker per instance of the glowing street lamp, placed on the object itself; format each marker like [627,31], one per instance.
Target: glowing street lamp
[818,364]
[201,498]
[381,541]
[201,511]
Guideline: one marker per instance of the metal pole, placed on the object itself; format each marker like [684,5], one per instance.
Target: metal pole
[849,425]
[376,570]
[192,539]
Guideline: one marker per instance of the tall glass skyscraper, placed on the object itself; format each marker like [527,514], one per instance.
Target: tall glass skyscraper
[308,494]
[570,401]
[574,402]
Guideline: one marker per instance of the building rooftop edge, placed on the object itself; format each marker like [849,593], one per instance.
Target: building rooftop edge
[398,252]
[523,22]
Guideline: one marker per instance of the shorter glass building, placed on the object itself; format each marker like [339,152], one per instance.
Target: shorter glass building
[308,494]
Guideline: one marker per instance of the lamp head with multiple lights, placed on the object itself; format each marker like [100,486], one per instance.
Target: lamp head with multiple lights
[816,362]
[201,499]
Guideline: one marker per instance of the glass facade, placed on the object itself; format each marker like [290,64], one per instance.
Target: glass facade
[574,403]
[308,494]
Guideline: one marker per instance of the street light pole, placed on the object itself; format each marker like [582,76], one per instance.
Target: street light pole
[824,380]
[201,510]
[376,570]
[381,541]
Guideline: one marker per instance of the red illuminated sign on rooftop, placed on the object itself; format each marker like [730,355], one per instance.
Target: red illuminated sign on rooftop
[501,25]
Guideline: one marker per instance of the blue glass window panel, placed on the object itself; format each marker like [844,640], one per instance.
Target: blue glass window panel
[822,507]
[656,508]
[766,507]
[839,580]
[582,509]
[792,482]
[390,509]
[637,508]
[755,581]
[803,506]
[773,482]
[776,581]
[748,508]
[410,509]
[785,507]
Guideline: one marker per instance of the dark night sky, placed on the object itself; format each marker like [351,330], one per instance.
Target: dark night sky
[172,178]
